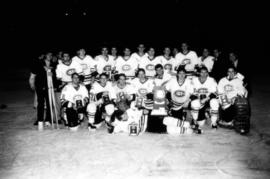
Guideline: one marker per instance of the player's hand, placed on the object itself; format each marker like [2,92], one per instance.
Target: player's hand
[32,86]
[203,101]
[100,101]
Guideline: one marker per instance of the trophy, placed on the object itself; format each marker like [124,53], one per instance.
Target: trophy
[159,102]
[106,98]
[122,96]
[224,101]
[133,129]
[79,104]
[139,102]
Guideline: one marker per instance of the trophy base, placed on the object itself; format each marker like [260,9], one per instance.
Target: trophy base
[159,112]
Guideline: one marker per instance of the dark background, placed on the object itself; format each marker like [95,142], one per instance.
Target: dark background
[33,27]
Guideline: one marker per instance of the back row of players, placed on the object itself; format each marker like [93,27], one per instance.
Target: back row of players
[114,98]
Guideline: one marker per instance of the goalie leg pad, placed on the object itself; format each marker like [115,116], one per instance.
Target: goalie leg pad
[242,115]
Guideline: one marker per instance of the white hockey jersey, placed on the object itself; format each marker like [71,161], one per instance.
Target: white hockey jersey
[148,64]
[126,66]
[97,88]
[127,90]
[208,62]
[141,89]
[190,60]
[167,62]
[104,63]
[88,65]
[64,72]
[179,93]
[69,93]
[138,57]
[231,88]
[162,81]
[206,88]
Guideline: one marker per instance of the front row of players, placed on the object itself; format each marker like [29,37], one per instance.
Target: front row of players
[128,106]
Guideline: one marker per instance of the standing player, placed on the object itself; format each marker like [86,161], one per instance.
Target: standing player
[88,66]
[140,54]
[149,62]
[66,69]
[114,53]
[105,62]
[187,58]
[126,64]
[167,60]
[206,60]
[101,104]
[179,90]
[74,98]
[204,97]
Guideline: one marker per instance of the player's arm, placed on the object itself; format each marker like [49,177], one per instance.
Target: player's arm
[32,80]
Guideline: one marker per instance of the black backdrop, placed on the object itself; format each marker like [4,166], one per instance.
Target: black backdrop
[35,27]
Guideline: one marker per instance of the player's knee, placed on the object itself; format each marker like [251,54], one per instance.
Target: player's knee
[91,108]
[109,109]
[195,104]
[214,104]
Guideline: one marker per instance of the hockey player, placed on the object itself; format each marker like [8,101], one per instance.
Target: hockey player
[167,61]
[114,53]
[229,88]
[161,78]
[179,90]
[66,69]
[140,54]
[206,60]
[74,98]
[88,64]
[148,63]
[203,98]
[126,113]
[143,88]
[105,62]
[187,58]
[102,100]
[127,64]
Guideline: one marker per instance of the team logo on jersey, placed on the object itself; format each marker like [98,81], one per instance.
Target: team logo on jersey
[142,91]
[202,90]
[186,61]
[150,67]
[228,88]
[92,69]
[179,93]
[84,66]
[69,72]
[77,97]
[126,67]
[107,68]
[168,66]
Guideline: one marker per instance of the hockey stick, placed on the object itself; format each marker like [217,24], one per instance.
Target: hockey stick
[54,104]
[49,79]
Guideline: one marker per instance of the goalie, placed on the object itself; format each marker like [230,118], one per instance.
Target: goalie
[235,110]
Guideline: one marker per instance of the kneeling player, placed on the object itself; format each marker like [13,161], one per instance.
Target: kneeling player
[231,88]
[102,107]
[74,98]
[179,90]
[204,99]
